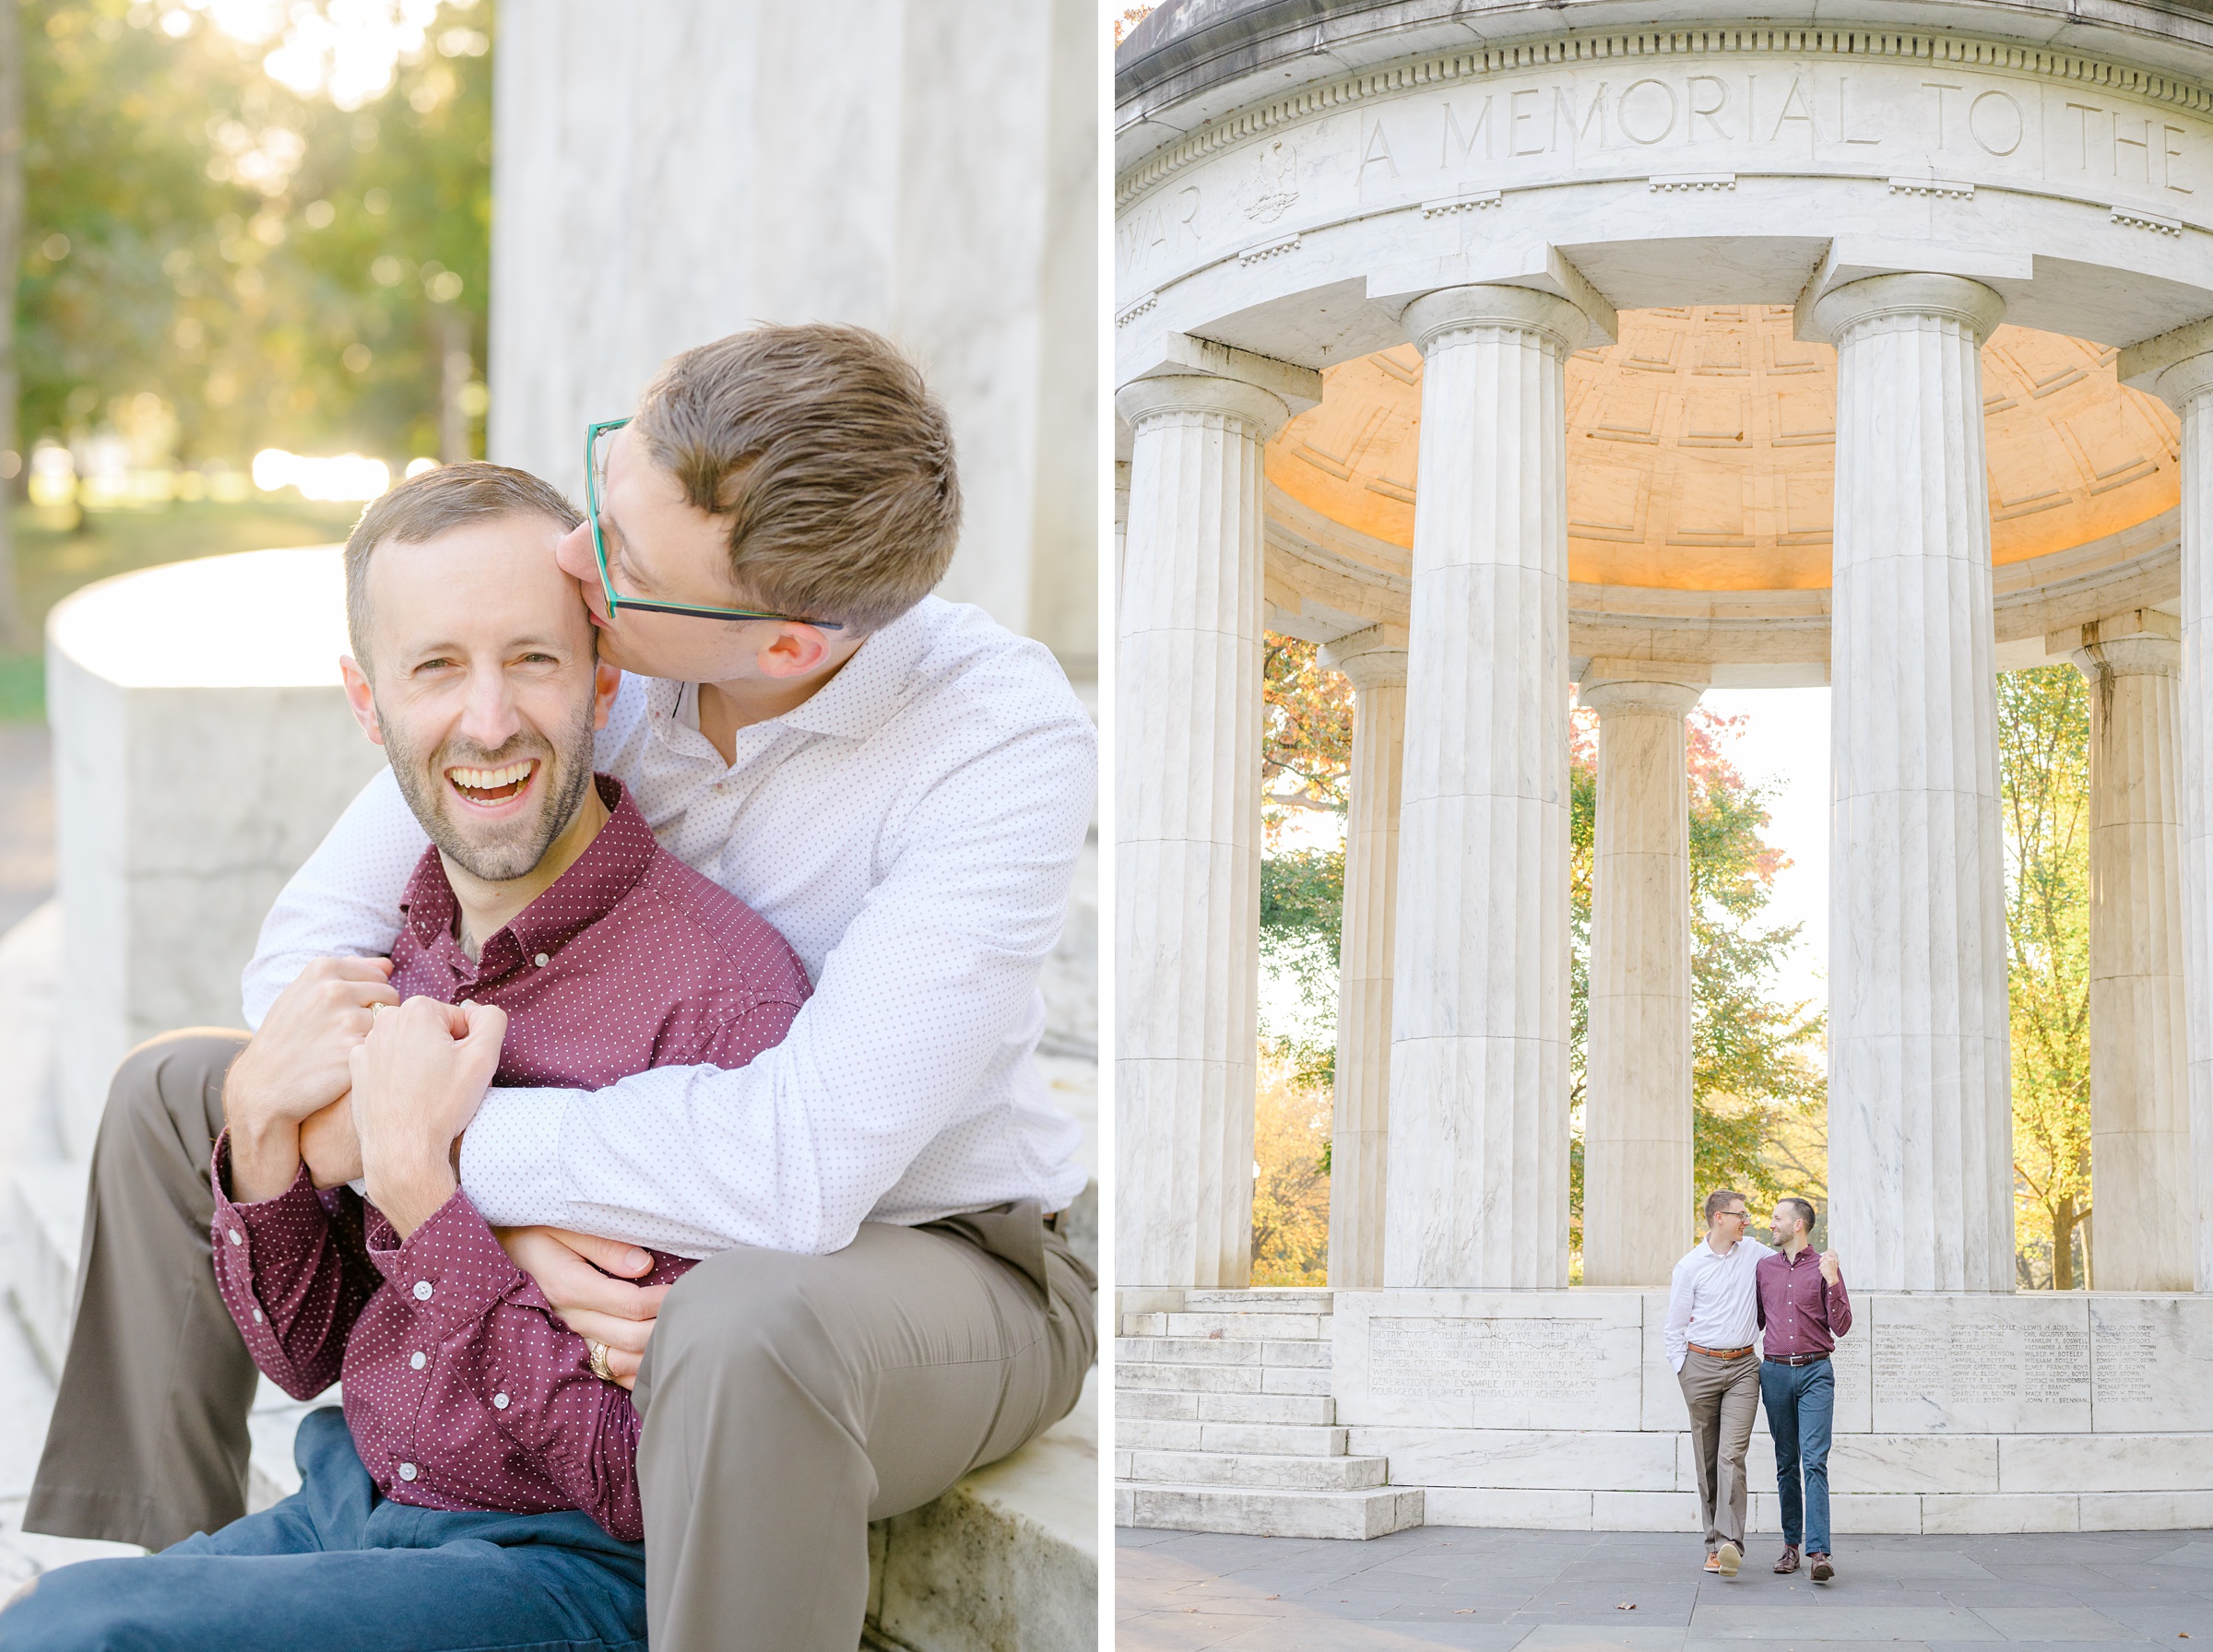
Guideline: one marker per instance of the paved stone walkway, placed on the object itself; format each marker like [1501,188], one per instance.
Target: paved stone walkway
[1566,1591]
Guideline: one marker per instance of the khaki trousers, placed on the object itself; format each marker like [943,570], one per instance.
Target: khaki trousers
[787,1401]
[1723,1397]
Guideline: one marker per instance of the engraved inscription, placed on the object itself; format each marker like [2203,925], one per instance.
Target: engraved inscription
[1965,1363]
[2122,1370]
[1480,1359]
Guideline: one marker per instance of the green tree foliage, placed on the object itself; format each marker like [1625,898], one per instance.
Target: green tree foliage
[2043,755]
[1757,1077]
[1759,1088]
[278,270]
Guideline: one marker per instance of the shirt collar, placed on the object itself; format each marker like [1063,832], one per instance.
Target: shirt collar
[853,704]
[595,882]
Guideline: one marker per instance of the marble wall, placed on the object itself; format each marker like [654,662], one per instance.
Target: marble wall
[668,174]
[1966,1413]
[202,748]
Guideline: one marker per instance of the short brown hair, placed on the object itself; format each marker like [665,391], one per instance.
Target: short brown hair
[1720,1200]
[829,456]
[1804,1207]
[424,506]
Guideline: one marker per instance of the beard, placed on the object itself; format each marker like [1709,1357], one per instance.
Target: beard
[495,850]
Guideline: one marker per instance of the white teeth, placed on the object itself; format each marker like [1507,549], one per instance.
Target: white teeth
[485,779]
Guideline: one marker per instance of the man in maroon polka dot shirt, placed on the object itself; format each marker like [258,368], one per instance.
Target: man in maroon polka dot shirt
[549,930]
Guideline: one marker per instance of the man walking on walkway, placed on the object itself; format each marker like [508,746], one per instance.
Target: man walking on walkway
[1711,1312]
[1803,1310]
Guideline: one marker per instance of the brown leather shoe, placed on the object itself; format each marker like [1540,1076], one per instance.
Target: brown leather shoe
[1789,1561]
[1713,1561]
[1729,1557]
[1823,1571]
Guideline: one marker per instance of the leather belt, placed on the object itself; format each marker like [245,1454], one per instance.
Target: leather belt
[1795,1359]
[1721,1353]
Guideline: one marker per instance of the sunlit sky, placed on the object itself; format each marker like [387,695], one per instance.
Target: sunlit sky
[346,50]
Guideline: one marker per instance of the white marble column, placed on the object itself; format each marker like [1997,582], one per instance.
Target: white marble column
[1478,1146]
[1919,1094]
[1638,1205]
[1374,661]
[2140,1179]
[2187,386]
[1188,831]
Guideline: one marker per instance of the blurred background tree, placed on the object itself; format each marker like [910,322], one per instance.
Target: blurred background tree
[247,224]
[1759,1088]
[2044,790]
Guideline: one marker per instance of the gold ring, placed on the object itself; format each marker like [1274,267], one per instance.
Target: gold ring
[599,1361]
[373,1011]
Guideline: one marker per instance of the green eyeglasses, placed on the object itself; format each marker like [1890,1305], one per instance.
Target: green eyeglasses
[616,602]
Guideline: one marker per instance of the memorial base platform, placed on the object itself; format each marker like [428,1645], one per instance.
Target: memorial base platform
[2076,1412]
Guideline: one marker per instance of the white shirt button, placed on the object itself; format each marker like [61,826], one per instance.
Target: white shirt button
[499,1402]
[422,1290]
[238,1236]
[415,1361]
[540,961]
[407,1470]
[257,1316]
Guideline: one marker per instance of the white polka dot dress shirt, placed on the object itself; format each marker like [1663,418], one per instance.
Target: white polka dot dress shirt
[912,830]
[1713,1300]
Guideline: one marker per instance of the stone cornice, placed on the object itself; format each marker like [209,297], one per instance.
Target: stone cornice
[1567,50]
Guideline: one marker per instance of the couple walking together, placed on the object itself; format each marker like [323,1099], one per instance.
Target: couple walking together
[1730,1290]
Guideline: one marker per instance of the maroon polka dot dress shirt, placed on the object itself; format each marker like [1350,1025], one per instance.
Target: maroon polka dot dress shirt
[462,1388]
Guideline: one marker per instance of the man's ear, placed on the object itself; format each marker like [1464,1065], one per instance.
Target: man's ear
[361,699]
[797,650]
[606,680]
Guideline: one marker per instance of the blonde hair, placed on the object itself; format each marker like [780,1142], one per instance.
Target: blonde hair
[830,458]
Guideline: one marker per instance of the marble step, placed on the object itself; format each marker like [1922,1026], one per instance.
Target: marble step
[1226,1351]
[1159,1405]
[1271,1327]
[1355,1515]
[1222,1380]
[1289,1300]
[46,1214]
[1280,1439]
[1252,1469]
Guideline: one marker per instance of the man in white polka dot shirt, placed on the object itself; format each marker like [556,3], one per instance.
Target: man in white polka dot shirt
[901,787]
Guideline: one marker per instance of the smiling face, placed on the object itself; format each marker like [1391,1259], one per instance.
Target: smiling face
[483,689]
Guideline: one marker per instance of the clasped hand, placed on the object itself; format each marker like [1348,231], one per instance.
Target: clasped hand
[419,1078]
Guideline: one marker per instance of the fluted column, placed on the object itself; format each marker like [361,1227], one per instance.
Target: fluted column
[1188,831]
[1374,661]
[1920,1095]
[1638,1199]
[1478,1147]
[2140,1178]
[2187,386]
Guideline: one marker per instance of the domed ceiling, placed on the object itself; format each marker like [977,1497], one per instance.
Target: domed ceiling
[1700,449]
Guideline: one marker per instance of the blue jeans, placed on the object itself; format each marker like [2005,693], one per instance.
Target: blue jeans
[1800,1400]
[335,1568]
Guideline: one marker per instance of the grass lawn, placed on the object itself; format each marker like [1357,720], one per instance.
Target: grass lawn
[50,564]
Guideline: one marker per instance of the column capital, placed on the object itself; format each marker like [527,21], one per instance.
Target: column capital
[1374,658]
[1146,400]
[1623,685]
[1438,315]
[1880,298]
[2141,642]
[2176,365]
[2185,381]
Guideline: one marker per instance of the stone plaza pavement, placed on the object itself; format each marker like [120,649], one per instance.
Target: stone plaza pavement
[1568,1591]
